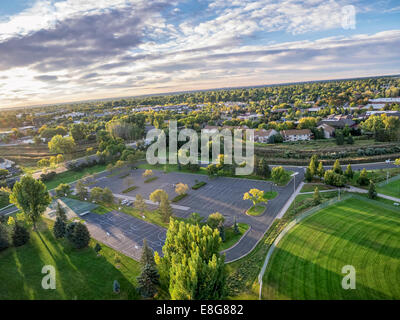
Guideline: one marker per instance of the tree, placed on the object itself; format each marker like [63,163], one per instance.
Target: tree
[235,226]
[78,234]
[372,194]
[147,256]
[107,196]
[140,204]
[165,209]
[157,195]
[334,179]
[362,179]
[20,235]
[192,267]
[263,169]
[215,219]
[195,218]
[97,248]
[350,139]
[148,281]
[278,174]
[320,170]
[116,286]
[337,168]
[147,173]
[81,190]
[313,166]
[59,228]
[43,163]
[308,175]
[63,190]
[349,172]
[59,144]
[212,170]
[4,241]
[181,188]
[255,195]
[31,197]
[397,162]
[316,197]
[339,137]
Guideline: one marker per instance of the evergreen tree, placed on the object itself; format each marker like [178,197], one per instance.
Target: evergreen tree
[81,190]
[148,281]
[320,170]
[165,209]
[235,226]
[349,172]
[350,139]
[78,234]
[60,212]
[337,168]
[316,197]
[147,255]
[4,240]
[363,178]
[97,248]
[308,175]
[372,194]
[313,165]
[20,235]
[221,230]
[116,286]
[192,267]
[59,228]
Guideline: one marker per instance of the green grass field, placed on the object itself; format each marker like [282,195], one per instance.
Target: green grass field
[80,274]
[308,261]
[71,176]
[390,189]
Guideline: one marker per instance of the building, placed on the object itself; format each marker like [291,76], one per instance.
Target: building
[379,113]
[328,130]
[338,121]
[263,135]
[296,135]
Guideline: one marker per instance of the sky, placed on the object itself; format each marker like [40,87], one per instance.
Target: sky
[69,50]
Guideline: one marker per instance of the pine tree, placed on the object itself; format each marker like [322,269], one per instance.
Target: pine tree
[60,212]
[308,175]
[372,194]
[235,226]
[20,235]
[97,248]
[316,197]
[165,209]
[147,255]
[349,172]
[81,190]
[59,228]
[148,281]
[337,168]
[320,170]
[363,178]
[78,234]
[4,241]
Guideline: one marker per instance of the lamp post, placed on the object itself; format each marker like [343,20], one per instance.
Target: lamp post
[294,188]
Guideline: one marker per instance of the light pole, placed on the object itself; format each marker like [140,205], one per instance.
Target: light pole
[294,188]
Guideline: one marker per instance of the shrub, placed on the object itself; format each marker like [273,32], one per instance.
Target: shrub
[198,185]
[59,228]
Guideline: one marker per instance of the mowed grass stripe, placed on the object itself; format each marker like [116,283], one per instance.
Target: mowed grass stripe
[308,261]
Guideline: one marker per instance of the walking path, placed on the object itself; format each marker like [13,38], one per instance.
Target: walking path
[381,195]
[290,201]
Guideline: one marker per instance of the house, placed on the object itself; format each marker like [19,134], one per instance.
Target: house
[296,135]
[338,122]
[328,130]
[263,135]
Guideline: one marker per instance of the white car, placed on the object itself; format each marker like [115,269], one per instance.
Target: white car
[388,161]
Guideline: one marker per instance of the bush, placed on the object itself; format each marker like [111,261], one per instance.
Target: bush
[59,228]
[48,176]
[198,185]
[334,179]
[20,235]
[179,197]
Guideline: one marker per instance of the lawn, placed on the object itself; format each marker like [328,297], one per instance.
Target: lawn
[308,261]
[231,237]
[390,189]
[377,176]
[71,176]
[255,210]
[80,274]
[175,168]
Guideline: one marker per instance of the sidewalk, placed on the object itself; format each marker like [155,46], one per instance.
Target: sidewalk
[289,202]
[381,195]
